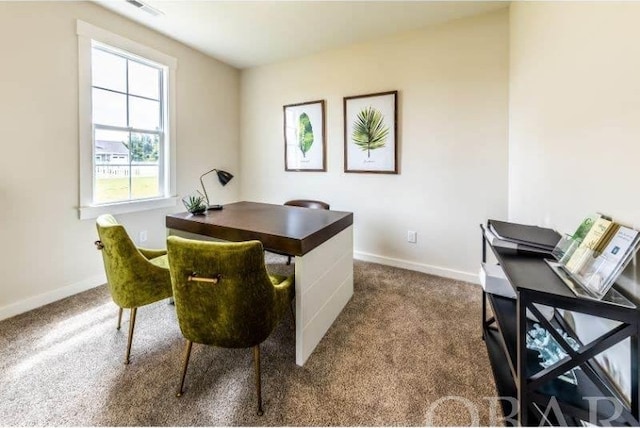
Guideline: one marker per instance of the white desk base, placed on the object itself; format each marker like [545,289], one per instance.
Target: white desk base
[324,285]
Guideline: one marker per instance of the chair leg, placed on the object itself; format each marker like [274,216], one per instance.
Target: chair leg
[132,324]
[256,363]
[187,354]
[288,260]
[119,318]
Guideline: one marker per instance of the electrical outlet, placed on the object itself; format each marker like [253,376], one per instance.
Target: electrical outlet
[143,236]
[412,236]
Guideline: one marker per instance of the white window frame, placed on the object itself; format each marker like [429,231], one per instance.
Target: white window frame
[86,208]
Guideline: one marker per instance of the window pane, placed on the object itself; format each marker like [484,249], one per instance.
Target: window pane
[144,80]
[110,145]
[108,70]
[109,108]
[111,166]
[145,148]
[145,166]
[120,137]
[144,114]
[111,184]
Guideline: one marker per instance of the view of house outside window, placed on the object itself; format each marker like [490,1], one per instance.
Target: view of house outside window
[128,104]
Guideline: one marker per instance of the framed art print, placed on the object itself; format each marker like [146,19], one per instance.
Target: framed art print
[370,133]
[304,139]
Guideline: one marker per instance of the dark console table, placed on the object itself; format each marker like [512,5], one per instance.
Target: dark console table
[516,369]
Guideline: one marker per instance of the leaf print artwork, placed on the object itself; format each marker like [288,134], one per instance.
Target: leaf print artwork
[369,130]
[304,139]
[305,134]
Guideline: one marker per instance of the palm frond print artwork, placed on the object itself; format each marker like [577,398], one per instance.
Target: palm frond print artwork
[369,130]
[370,133]
[305,134]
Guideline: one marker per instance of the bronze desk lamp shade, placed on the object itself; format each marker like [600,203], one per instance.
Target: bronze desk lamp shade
[224,177]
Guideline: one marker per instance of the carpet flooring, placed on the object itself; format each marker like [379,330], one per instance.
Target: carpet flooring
[406,350]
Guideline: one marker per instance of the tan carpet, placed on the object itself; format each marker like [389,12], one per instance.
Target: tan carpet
[404,341]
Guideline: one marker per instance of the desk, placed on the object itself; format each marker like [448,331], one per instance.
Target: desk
[320,240]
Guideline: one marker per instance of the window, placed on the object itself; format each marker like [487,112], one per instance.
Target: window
[126,134]
[128,126]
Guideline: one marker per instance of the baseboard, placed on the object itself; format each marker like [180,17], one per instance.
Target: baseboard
[34,302]
[418,267]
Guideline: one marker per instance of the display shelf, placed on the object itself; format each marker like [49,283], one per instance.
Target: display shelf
[517,370]
[504,310]
[505,384]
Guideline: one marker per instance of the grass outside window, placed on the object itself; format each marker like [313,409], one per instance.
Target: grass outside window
[117,189]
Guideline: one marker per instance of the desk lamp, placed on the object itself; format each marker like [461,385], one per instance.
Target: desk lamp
[224,177]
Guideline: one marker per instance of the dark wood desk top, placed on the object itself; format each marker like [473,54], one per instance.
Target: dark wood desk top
[284,229]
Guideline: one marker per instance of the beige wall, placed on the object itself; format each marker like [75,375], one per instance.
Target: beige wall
[575,125]
[574,112]
[453,107]
[47,253]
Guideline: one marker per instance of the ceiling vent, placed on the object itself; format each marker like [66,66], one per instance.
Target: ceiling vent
[145,7]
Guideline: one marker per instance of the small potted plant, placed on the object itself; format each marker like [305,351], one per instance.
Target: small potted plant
[195,203]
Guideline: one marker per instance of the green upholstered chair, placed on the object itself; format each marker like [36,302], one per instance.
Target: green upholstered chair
[136,276]
[225,297]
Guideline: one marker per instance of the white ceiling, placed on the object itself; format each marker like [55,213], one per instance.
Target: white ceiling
[251,33]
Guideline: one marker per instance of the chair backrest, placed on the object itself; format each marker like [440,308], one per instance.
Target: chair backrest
[124,264]
[237,311]
[307,203]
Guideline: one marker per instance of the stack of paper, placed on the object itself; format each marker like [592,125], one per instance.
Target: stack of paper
[500,242]
[529,237]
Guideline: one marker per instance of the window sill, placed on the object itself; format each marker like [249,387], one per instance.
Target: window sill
[94,211]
